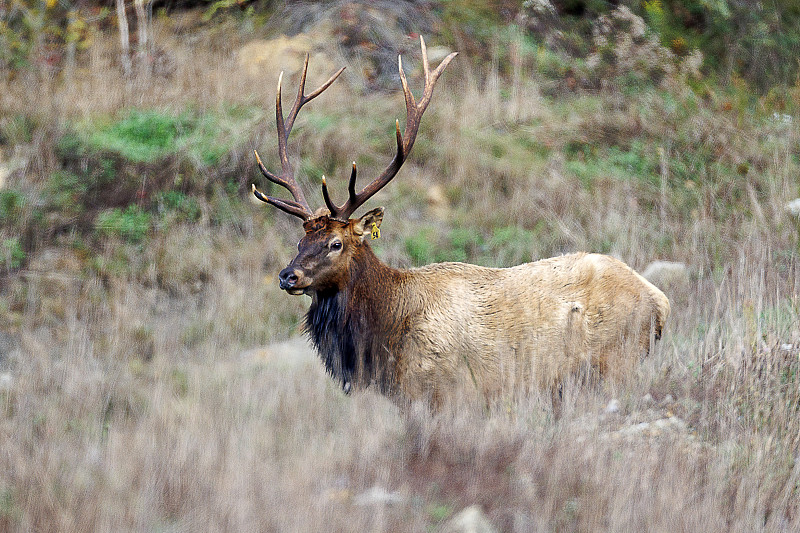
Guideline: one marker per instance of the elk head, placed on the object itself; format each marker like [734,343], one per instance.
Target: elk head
[332,238]
[325,252]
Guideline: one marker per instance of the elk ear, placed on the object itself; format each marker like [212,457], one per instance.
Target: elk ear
[368,223]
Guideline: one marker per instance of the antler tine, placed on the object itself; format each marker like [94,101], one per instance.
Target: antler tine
[327,197]
[290,184]
[425,67]
[298,101]
[299,207]
[351,186]
[288,206]
[405,141]
[302,98]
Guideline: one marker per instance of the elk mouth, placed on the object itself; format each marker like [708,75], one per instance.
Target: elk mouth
[293,281]
[294,291]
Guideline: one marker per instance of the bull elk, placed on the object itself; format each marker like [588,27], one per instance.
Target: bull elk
[425,332]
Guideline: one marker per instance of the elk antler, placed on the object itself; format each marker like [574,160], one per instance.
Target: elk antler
[299,207]
[414,113]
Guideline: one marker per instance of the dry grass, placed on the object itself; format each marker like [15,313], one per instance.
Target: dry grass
[137,402]
[96,437]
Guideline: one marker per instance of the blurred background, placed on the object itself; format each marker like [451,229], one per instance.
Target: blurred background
[150,372]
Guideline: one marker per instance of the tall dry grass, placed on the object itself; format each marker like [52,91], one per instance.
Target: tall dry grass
[95,437]
[146,401]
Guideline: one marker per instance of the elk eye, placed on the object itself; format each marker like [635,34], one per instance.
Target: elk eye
[336,245]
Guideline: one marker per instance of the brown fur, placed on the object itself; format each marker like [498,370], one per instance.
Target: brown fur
[447,327]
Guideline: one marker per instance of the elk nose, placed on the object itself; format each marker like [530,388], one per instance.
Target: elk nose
[288,278]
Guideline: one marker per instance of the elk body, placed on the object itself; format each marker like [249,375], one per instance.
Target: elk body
[448,328]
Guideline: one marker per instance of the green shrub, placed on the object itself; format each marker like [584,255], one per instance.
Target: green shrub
[142,137]
[11,253]
[70,145]
[66,192]
[117,261]
[183,208]
[464,245]
[457,244]
[131,225]
[148,135]
[11,205]
[613,163]
[512,245]
[16,129]
[421,248]
[9,510]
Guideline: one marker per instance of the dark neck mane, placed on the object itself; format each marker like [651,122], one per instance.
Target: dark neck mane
[333,336]
[348,326]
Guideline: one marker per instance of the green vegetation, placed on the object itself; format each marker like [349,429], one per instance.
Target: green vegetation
[11,205]
[758,43]
[12,253]
[184,208]
[66,192]
[150,136]
[459,244]
[131,224]
[141,137]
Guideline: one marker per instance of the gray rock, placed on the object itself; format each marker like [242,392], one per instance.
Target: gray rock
[5,172]
[437,53]
[469,520]
[291,352]
[613,406]
[635,429]
[377,496]
[540,7]
[667,273]
[6,381]
[793,207]
[8,344]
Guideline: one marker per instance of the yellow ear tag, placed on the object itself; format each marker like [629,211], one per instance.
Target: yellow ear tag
[376,231]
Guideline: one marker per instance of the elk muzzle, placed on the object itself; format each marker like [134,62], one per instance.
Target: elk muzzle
[291,280]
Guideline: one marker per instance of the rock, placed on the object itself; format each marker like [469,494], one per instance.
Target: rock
[262,57]
[8,344]
[793,207]
[437,200]
[662,423]
[647,399]
[56,264]
[635,429]
[4,173]
[612,407]
[654,428]
[469,520]
[377,496]
[9,165]
[782,118]
[337,495]
[667,274]
[541,7]
[437,53]
[294,351]
[6,381]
